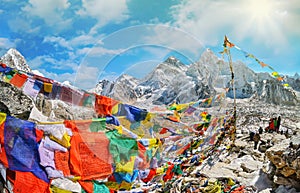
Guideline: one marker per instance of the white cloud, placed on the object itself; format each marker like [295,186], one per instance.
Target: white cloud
[58,40]
[105,11]
[22,25]
[174,39]
[40,61]
[142,68]
[80,44]
[5,43]
[290,16]
[98,51]
[86,77]
[58,77]
[261,20]
[86,39]
[36,62]
[51,11]
[111,76]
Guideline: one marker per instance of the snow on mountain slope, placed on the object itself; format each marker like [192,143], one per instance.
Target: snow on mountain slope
[173,81]
[14,59]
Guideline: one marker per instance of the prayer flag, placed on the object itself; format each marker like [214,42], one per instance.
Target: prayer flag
[227,43]
[18,80]
[21,147]
[104,105]
[89,154]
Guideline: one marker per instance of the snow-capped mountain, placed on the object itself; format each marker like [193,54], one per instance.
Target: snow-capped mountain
[13,58]
[122,89]
[173,81]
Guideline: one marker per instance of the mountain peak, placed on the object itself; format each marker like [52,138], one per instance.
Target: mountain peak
[13,58]
[174,61]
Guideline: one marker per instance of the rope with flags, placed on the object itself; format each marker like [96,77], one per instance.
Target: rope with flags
[227,45]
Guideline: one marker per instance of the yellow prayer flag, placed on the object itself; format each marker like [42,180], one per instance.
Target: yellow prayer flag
[275,74]
[2,118]
[55,189]
[120,129]
[115,109]
[160,171]
[125,185]
[126,167]
[64,141]
[48,87]
[230,182]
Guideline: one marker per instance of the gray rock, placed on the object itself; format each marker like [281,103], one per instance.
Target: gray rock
[14,102]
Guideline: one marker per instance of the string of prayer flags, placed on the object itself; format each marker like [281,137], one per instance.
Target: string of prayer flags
[32,85]
[228,44]
[101,154]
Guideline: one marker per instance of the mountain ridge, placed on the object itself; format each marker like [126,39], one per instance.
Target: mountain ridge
[15,59]
[173,81]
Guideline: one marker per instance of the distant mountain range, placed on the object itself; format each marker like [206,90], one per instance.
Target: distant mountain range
[174,81]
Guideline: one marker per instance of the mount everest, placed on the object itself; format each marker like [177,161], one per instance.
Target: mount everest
[173,81]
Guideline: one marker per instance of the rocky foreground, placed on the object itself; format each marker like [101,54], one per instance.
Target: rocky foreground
[273,167]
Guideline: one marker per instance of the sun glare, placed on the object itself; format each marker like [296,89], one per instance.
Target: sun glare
[260,9]
[261,18]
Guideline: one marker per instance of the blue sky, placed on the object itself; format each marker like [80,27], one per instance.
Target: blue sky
[84,40]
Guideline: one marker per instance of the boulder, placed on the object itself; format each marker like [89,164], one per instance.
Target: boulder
[14,102]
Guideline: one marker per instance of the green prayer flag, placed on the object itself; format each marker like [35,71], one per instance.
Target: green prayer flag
[100,187]
[122,148]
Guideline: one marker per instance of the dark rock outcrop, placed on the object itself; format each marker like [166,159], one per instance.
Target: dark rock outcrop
[14,102]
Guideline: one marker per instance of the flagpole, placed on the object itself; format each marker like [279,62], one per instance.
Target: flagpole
[227,45]
[233,88]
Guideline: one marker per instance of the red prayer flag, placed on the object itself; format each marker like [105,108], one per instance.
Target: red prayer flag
[85,160]
[18,80]
[27,182]
[104,105]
